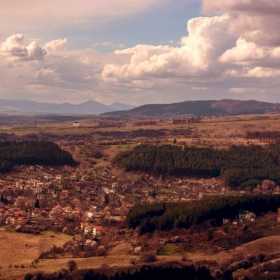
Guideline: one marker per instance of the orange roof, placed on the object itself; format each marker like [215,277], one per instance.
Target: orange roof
[98,228]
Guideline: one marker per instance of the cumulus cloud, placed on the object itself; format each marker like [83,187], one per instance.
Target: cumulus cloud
[234,51]
[15,49]
[208,37]
[240,44]
[56,45]
[245,51]
[255,20]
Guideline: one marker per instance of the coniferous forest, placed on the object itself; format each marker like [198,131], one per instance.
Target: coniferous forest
[166,216]
[32,152]
[239,166]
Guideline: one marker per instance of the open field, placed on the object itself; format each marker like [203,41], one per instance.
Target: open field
[19,248]
[119,258]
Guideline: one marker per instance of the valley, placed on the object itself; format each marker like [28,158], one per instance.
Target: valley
[80,212]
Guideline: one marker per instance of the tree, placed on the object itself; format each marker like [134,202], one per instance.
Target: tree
[72,265]
[106,199]
[37,203]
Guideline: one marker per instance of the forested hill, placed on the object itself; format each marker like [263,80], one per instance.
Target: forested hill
[166,216]
[239,166]
[200,108]
[32,152]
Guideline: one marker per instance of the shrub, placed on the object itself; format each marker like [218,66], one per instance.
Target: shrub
[72,265]
[148,257]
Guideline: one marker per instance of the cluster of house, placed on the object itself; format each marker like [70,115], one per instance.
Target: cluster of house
[48,197]
[95,230]
[243,215]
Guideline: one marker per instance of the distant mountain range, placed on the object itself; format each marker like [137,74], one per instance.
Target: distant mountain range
[90,107]
[199,108]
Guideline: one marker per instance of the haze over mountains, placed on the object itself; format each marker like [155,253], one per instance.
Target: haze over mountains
[91,107]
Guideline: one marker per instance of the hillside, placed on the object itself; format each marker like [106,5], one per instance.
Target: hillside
[200,108]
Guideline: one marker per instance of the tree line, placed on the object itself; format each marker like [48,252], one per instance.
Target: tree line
[166,216]
[146,272]
[32,152]
[263,135]
[239,166]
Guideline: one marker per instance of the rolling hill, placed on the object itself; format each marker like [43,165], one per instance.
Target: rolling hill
[199,108]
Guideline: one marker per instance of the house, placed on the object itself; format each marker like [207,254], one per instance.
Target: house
[64,193]
[76,213]
[10,220]
[247,215]
[73,176]
[58,221]
[91,214]
[84,225]
[67,209]
[36,212]
[88,229]
[48,176]
[97,230]
[200,195]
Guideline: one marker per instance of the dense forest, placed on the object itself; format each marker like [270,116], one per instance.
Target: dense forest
[239,166]
[167,216]
[146,272]
[32,152]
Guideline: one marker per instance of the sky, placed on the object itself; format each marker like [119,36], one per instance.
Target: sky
[139,52]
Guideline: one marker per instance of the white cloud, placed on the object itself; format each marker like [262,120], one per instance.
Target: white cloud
[15,49]
[256,72]
[255,20]
[109,44]
[245,51]
[208,38]
[56,45]
[237,51]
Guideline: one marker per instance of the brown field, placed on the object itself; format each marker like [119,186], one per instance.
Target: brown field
[119,258]
[22,249]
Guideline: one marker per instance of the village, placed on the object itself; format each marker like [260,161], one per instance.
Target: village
[94,201]
[87,205]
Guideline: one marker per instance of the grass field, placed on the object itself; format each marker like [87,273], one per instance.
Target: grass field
[21,249]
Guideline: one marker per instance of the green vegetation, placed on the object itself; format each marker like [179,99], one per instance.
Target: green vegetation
[32,152]
[239,166]
[166,216]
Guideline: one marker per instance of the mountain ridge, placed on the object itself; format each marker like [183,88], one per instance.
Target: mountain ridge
[199,108]
[89,107]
